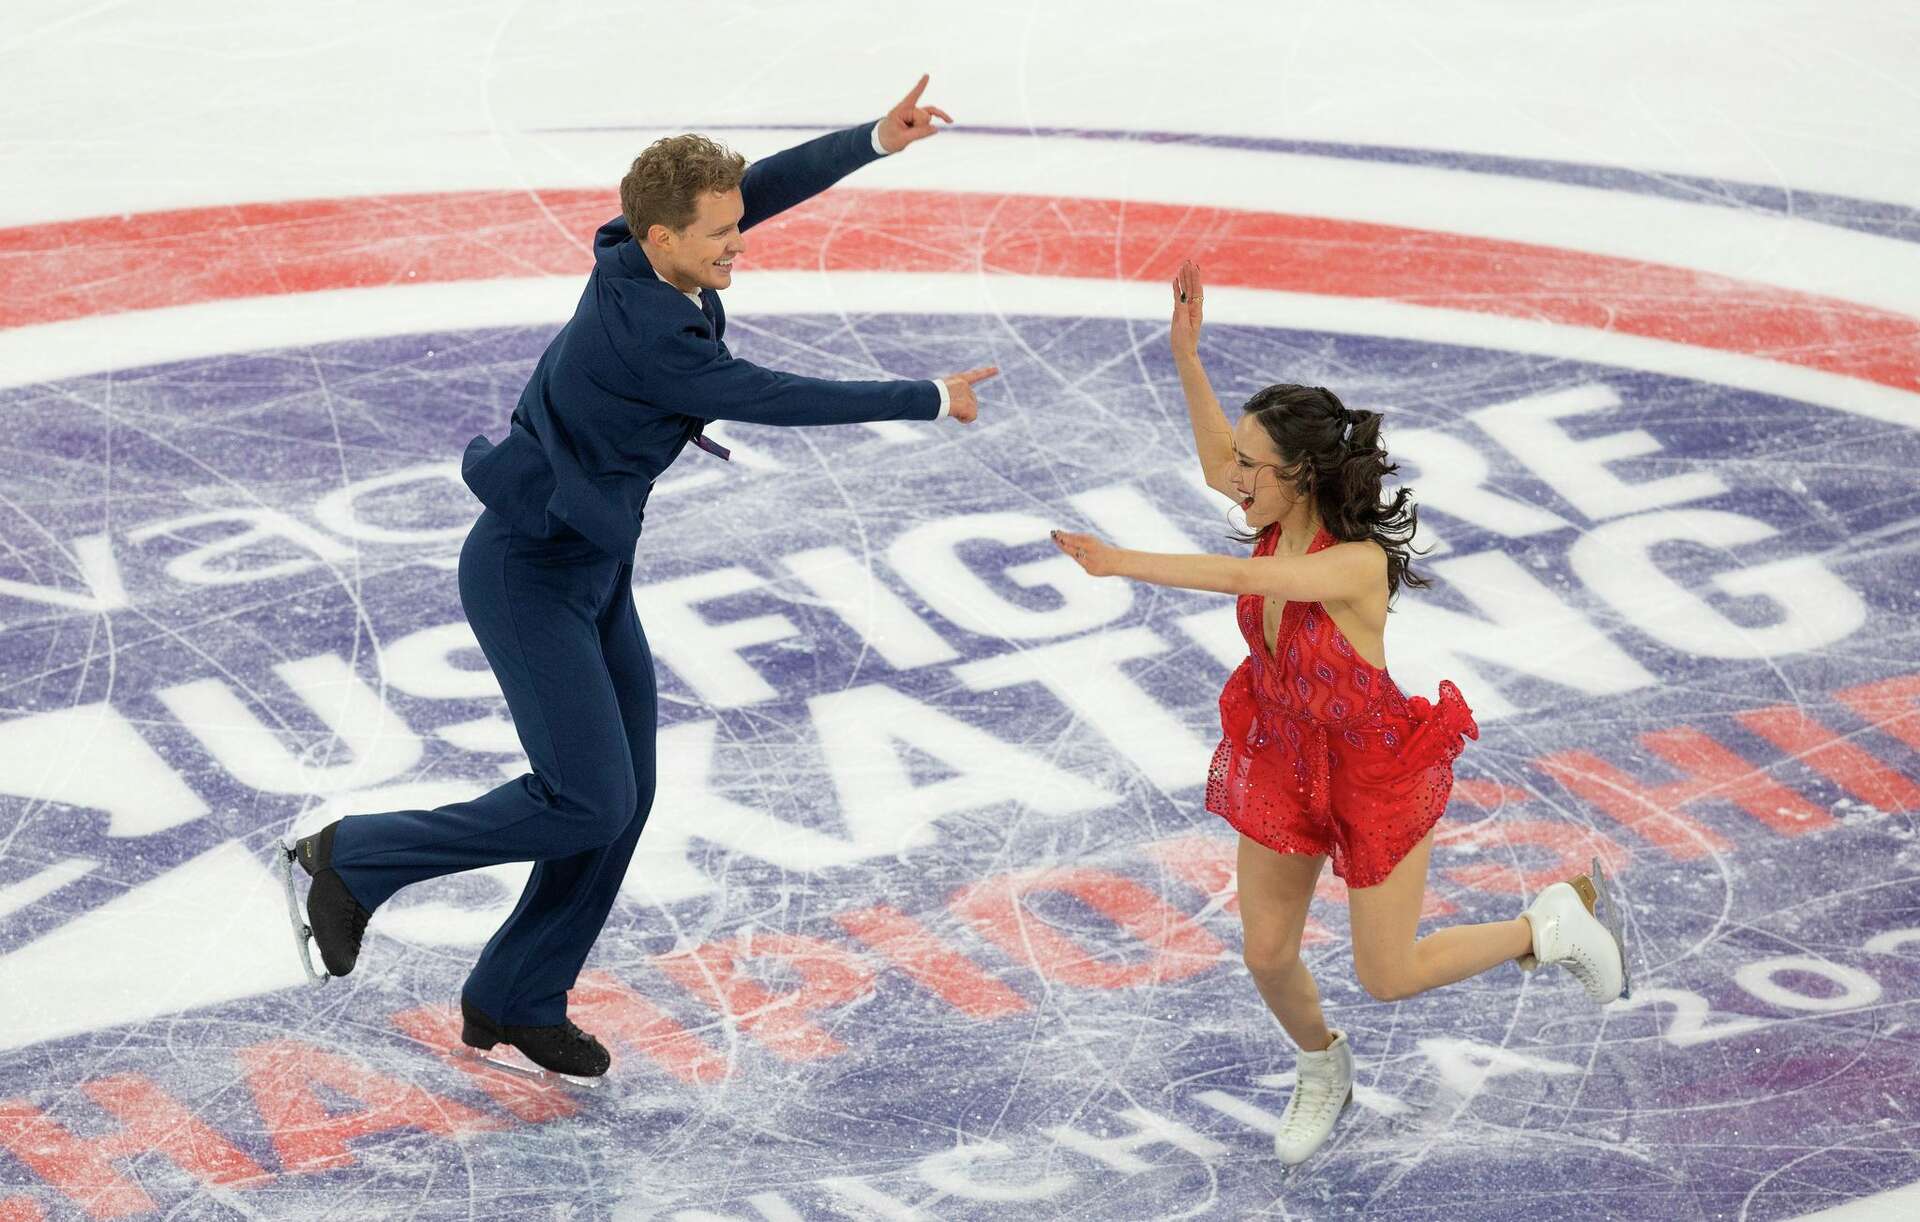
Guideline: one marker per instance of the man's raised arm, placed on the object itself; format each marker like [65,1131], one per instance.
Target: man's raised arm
[777,183]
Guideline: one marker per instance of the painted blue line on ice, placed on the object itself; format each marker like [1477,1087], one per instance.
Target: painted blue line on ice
[1879,218]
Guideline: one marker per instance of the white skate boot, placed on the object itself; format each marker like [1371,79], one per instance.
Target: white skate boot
[1567,931]
[1321,1091]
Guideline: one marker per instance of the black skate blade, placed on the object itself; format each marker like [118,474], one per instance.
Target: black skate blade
[1616,926]
[301,931]
[510,1060]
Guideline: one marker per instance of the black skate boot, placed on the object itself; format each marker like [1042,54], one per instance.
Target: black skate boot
[334,918]
[564,1050]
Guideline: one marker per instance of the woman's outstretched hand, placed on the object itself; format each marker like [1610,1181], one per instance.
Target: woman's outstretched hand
[1097,558]
[1187,300]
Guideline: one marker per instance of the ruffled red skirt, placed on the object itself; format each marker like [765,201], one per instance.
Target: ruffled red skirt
[1363,792]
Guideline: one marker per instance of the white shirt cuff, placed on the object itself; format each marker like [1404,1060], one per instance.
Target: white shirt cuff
[946,399]
[877,146]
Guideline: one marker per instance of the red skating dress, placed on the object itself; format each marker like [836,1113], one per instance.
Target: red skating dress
[1321,753]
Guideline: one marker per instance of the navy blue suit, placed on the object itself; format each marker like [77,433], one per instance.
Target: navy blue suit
[546,579]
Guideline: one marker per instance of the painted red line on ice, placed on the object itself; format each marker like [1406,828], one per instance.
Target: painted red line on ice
[310,1135]
[830,976]
[81,268]
[935,966]
[1175,945]
[1824,750]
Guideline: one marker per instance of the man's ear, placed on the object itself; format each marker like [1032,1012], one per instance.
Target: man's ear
[660,235]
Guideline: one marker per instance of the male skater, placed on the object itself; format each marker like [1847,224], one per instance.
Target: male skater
[546,575]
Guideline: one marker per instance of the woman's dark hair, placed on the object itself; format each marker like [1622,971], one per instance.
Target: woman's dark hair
[1333,454]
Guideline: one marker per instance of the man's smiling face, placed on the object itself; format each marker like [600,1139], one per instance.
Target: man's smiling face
[701,255]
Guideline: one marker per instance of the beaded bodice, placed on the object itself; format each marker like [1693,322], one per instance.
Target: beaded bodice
[1313,673]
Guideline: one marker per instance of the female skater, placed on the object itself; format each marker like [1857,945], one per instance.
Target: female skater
[1321,754]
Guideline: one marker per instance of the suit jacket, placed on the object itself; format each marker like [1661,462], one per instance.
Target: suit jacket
[639,370]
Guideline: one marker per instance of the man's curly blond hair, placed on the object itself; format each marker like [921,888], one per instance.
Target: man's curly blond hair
[665,183]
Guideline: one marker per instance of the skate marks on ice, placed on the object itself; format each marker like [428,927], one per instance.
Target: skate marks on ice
[774,994]
[920,919]
[1610,915]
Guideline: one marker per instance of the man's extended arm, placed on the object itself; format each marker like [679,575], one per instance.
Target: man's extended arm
[775,184]
[686,374]
[803,171]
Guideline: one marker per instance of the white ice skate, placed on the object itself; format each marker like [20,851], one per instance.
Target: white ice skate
[1568,930]
[1322,1088]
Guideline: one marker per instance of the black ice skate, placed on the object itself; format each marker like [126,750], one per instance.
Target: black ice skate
[334,919]
[562,1052]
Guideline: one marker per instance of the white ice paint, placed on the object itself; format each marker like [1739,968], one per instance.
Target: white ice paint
[688,810]
[1693,1020]
[1218,635]
[99,568]
[92,758]
[1890,1206]
[486,735]
[422,663]
[928,557]
[1086,674]
[706,654]
[1370,1097]
[774,1208]
[343,512]
[861,730]
[50,351]
[1854,988]
[1449,476]
[209,931]
[870,1202]
[41,883]
[1527,629]
[377,744]
[954,1173]
[1124,515]
[1579,468]
[218,561]
[1892,941]
[1146,1130]
[850,589]
[1809,607]
[1238,1110]
[1465,1066]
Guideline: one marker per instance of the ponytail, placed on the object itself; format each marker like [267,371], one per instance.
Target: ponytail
[1335,451]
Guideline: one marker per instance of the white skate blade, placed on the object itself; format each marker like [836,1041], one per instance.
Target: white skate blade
[510,1060]
[302,933]
[1611,918]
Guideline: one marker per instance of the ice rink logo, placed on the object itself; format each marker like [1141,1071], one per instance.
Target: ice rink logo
[911,757]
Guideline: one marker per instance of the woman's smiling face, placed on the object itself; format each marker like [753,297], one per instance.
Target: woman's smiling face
[1261,475]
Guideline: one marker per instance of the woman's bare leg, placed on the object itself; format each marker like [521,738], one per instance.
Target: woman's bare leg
[1391,964]
[1275,889]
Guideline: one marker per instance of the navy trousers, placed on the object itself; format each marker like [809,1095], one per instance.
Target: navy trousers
[556,620]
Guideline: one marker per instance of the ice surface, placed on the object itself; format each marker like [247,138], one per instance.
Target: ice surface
[929,920]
